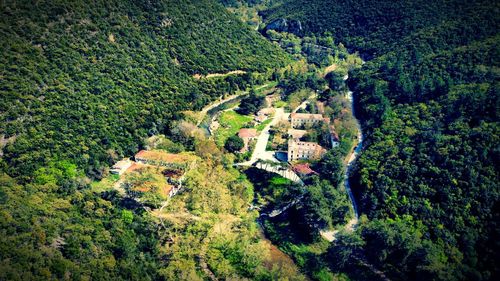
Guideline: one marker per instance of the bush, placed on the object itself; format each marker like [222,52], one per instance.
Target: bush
[234,144]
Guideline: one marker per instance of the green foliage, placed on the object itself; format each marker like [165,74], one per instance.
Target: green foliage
[163,143]
[234,144]
[77,235]
[230,123]
[331,167]
[127,216]
[428,101]
[323,206]
[251,104]
[88,82]
[82,85]
[273,189]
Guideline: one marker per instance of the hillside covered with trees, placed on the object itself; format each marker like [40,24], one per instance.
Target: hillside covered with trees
[82,84]
[428,98]
[86,82]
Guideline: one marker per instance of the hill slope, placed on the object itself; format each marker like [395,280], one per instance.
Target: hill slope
[82,83]
[428,178]
[89,81]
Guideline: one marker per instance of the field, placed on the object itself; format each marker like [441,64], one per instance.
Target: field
[230,123]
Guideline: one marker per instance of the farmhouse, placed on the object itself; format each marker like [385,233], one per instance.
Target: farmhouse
[301,150]
[247,135]
[302,119]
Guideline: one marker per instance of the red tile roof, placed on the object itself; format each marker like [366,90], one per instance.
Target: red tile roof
[247,133]
[304,169]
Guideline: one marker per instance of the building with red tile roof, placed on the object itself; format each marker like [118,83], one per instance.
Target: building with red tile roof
[304,169]
[246,133]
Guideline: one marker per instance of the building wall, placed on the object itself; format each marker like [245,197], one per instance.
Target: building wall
[298,122]
[304,151]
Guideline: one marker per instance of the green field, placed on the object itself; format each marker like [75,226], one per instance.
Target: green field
[262,125]
[230,123]
[105,183]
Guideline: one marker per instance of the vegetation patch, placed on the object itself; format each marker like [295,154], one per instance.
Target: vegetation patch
[230,123]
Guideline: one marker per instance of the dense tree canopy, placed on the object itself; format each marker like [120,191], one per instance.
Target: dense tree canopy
[82,84]
[87,82]
[234,144]
[428,101]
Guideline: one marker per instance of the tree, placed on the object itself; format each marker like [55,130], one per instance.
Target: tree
[345,249]
[323,205]
[251,104]
[335,80]
[331,167]
[234,144]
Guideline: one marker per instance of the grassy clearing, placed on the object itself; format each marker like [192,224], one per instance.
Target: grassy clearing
[262,125]
[104,184]
[280,103]
[230,123]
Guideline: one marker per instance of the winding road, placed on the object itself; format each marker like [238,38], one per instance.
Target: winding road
[330,235]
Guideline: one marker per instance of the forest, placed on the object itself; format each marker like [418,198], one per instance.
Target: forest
[428,177]
[86,83]
[83,85]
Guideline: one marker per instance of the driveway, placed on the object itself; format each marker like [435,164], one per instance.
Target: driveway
[260,147]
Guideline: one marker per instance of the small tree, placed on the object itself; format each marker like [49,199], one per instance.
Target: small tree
[234,143]
[251,104]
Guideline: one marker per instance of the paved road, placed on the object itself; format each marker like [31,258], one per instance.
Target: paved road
[260,153]
[330,235]
[260,147]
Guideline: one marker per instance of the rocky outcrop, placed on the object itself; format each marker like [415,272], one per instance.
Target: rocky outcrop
[285,25]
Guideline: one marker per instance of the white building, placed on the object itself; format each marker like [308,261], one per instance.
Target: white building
[305,119]
[302,150]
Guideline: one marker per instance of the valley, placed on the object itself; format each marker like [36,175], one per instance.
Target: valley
[249,140]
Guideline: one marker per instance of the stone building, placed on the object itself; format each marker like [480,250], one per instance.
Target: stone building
[299,120]
[301,150]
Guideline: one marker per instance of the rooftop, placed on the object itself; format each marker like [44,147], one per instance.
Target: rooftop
[303,169]
[306,116]
[247,133]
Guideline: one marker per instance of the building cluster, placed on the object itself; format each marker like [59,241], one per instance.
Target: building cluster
[172,166]
[301,150]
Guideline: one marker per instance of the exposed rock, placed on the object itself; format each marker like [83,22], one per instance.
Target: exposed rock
[280,25]
[284,25]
